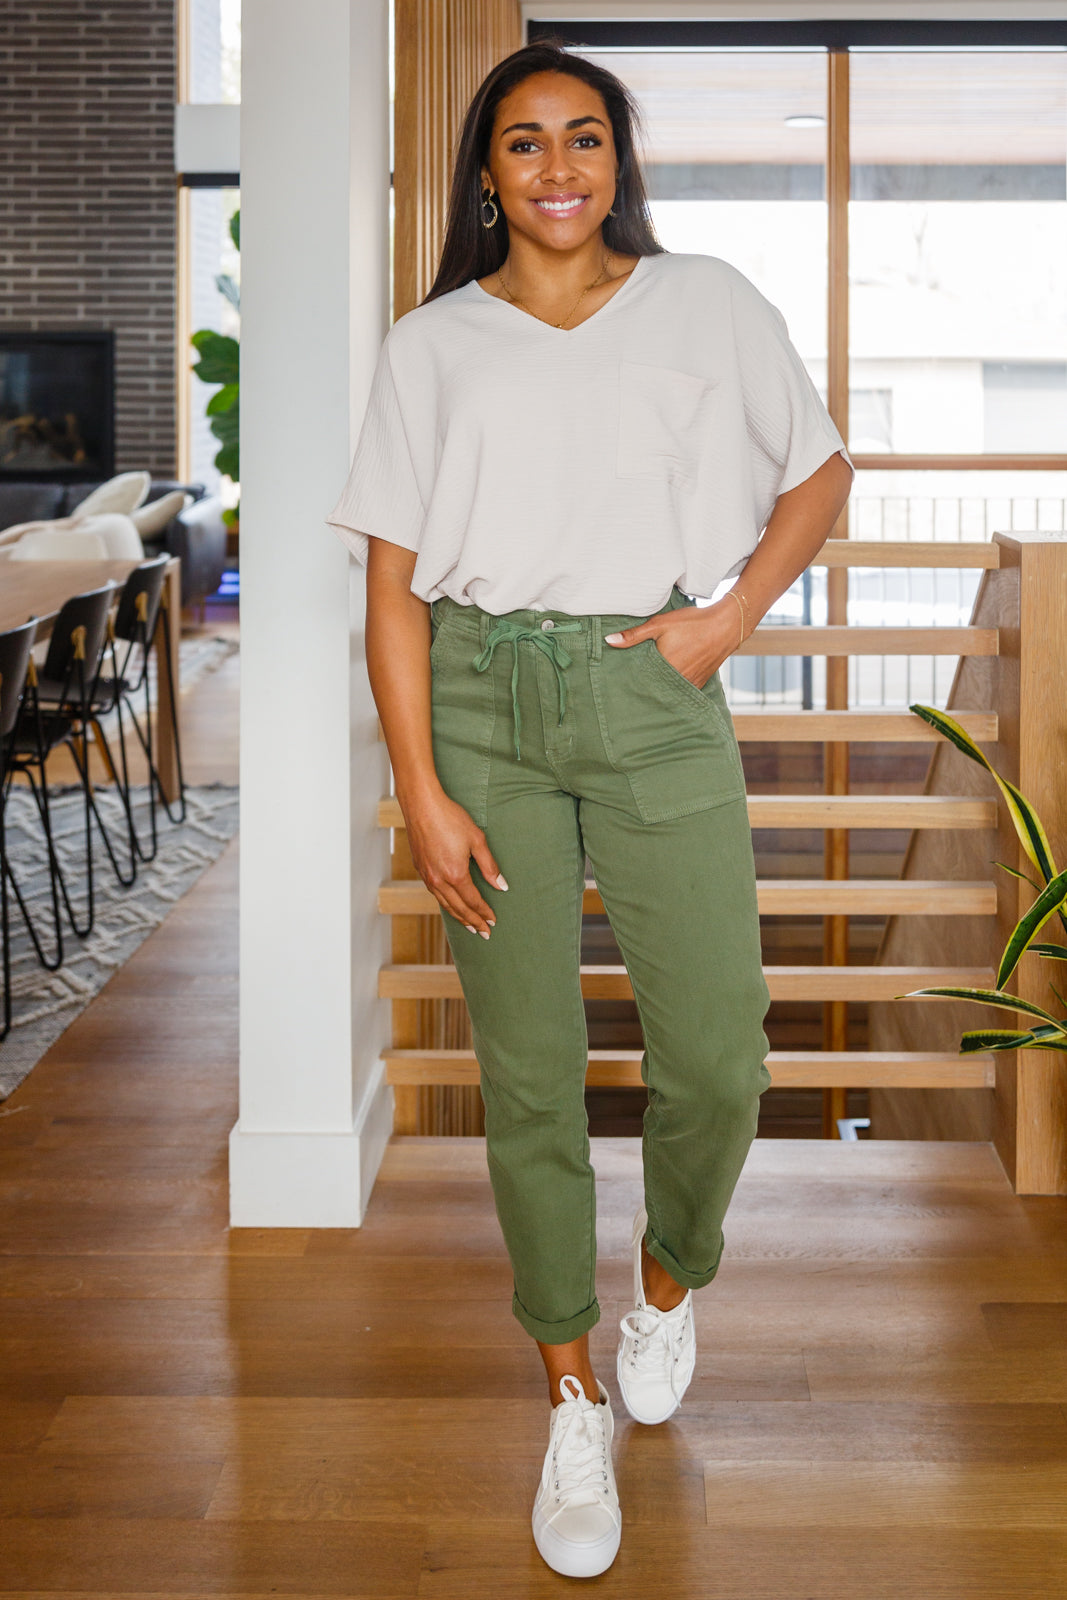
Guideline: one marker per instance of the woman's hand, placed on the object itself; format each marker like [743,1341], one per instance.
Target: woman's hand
[696,641]
[442,837]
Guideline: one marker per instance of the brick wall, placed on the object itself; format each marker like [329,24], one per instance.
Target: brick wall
[87,196]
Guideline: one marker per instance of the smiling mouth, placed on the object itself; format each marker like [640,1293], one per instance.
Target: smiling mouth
[562,208]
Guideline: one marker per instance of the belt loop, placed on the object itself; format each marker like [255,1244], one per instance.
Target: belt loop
[596,642]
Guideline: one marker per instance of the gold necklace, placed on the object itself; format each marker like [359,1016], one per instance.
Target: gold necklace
[524,307]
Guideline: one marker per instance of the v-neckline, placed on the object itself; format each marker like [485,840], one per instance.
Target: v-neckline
[528,316]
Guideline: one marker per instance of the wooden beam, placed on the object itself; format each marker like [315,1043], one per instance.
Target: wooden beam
[814,1069]
[830,811]
[783,726]
[776,897]
[843,640]
[875,462]
[786,725]
[440,980]
[939,553]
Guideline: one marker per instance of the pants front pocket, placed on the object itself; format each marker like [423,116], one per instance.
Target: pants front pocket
[461,715]
[673,742]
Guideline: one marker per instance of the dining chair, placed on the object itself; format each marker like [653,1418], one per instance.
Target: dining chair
[64,691]
[15,647]
[132,636]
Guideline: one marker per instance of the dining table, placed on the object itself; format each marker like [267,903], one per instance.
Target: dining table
[38,589]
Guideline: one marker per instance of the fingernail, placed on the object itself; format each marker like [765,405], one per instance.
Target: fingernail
[469,928]
[484,932]
[501,881]
[491,921]
[613,638]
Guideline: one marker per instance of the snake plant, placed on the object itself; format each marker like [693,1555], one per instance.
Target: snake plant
[1046,1032]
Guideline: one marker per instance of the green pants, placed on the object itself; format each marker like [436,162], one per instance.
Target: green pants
[560,747]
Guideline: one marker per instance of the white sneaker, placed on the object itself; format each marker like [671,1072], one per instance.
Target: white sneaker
[657,1349]
[577,1523]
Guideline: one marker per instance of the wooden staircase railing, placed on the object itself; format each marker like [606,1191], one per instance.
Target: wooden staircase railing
[431,1063]
[431,1044]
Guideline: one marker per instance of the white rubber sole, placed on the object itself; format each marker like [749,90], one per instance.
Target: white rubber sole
[572,1560]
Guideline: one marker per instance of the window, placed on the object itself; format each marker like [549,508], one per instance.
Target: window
[899,190]
[1025,405]
[209,80]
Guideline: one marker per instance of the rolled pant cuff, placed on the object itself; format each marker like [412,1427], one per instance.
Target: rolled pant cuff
[680,1274]
[556,1332]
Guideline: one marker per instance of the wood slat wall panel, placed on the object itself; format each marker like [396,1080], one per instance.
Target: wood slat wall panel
[444,48]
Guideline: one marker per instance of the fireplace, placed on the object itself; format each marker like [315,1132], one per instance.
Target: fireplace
[57,406]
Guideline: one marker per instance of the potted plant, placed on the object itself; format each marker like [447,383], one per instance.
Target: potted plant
[219,363]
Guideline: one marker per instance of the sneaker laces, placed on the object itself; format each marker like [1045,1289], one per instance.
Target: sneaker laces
[657,1343]
[579,1453]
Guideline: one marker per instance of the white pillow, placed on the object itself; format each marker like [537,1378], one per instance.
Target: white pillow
[118,535]
[124,493]
[59,544]
[13,534]
[153,517]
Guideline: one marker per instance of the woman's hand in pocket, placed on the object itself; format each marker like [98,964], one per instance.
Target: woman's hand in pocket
[695,641]
[443,837]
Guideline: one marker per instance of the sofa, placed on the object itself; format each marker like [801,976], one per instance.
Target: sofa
[197,535]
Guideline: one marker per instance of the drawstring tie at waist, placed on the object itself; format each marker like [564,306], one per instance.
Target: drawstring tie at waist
[546,640]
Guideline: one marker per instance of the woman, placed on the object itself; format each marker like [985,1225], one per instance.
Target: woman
[573,436]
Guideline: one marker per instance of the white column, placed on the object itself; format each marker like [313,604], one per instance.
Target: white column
[314,1110]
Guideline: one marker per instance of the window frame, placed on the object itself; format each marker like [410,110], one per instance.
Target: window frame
[837,36]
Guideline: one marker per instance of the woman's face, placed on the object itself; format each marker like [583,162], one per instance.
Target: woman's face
[552,161]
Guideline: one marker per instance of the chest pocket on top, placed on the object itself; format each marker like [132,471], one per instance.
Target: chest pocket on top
[664,422]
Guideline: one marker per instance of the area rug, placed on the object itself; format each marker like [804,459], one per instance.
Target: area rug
[45,1003]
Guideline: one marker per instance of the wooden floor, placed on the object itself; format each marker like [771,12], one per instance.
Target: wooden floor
[880,1409]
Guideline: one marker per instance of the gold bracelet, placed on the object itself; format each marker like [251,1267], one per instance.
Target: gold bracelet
[740,608]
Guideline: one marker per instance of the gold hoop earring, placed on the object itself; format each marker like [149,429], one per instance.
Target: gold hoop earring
[612,213]
[491,203]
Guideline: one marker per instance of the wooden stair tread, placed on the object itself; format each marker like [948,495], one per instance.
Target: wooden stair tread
[831,811]
[440,981]
[793,1069]
[771,639]
[779,724]
[895,725]
[777,896]
[961,554]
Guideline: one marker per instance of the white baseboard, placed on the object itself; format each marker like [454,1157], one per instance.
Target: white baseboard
[308,1179]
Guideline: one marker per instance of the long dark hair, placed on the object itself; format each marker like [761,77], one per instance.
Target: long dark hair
[471,250]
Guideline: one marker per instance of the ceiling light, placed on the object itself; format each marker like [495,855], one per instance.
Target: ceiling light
[805,120]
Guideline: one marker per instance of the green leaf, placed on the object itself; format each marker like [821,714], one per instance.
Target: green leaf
[222,399]
[228,462]
[1025,876]
[1057,952]
[1025,819]
[235,228]
[977,1039]
[1045,906]
[230,290]
[1046,1039]
[220,356]
[986,997]
[227,426]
